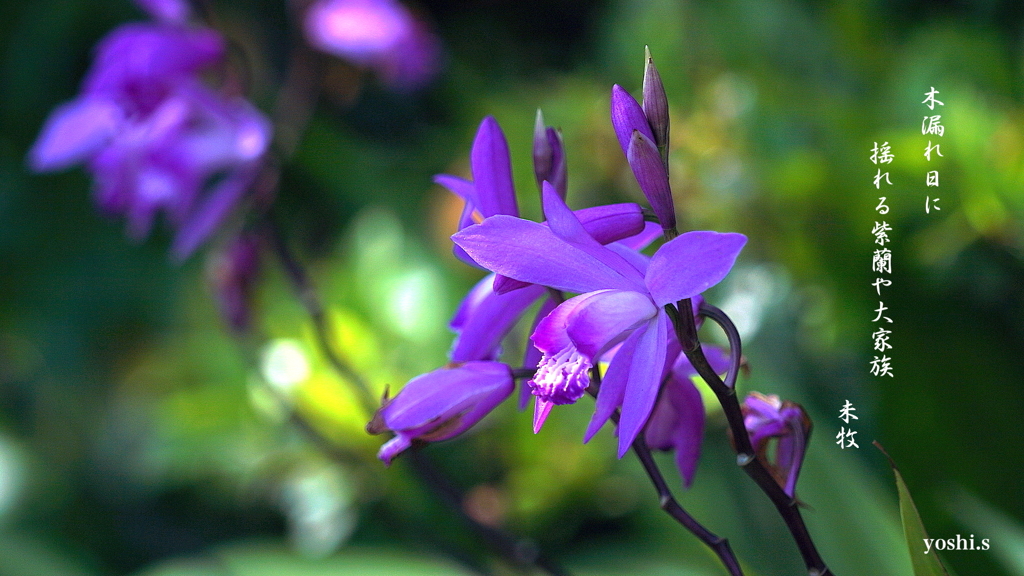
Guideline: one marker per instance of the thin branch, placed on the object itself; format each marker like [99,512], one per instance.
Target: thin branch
[520,551]
[672,507]
[787,506]
[307,295]
[666,500]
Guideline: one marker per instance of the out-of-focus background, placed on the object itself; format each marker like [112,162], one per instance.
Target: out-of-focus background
[137,436]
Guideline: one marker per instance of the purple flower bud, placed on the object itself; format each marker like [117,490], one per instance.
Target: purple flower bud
[628,117]
[655,104]
[767,417]
[652,176]
[379,34]
[441,404]
[549,157]
[233,273]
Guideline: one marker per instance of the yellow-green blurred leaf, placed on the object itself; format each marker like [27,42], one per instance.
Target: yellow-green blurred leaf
[925,563]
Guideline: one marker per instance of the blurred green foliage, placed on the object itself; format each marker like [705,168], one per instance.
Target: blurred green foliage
[138,436]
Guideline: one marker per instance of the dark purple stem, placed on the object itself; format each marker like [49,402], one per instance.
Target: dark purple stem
[686,330]
[307,295]
[667,501]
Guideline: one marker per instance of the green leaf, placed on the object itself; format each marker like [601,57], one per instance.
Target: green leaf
[925,562]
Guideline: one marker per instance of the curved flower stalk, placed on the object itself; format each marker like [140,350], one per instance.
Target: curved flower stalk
[378,34]
[621,299]
[153,135]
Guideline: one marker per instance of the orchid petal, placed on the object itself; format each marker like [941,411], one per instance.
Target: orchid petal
[645,373]
[567,226]
[655,103]
[600,320]
[540,413]
[533,354]
[613,385]
[504,284]
[447,392]
[643,238]
[204,221]
[690,264]
[74,132]
[459,186]
[551,333]
[689,429]
[487,319]
[492,170]
[635,259]
[530,252]
[612,222]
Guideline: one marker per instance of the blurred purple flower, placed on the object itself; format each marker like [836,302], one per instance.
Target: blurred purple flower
[621,300]
[378,34]
[171,11]
[232,273]
[154,137]
[441,404]
[767,417]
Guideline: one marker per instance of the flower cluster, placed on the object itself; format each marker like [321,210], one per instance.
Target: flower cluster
[603,301]
[154,135]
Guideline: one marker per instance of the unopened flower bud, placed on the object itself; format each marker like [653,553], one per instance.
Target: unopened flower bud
[441,404]
[655,105]
[549,156]
[650,172]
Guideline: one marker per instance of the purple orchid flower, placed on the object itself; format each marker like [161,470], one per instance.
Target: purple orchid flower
[677,421]
[378,34]
[621,299]
[441,404]
[767,417]
[155,138]
[492,192]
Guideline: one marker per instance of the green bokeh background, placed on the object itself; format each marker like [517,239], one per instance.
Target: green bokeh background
[138,437]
